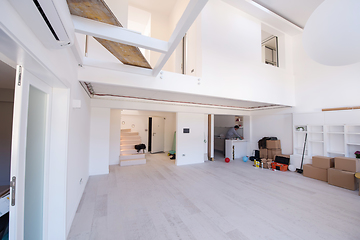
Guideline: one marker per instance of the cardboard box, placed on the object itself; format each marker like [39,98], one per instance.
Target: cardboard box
[314,172]
[271,153]
[263,153]
[347,164]
[357,175]
[322,162]
[267,165]
[273,144]
[342,178]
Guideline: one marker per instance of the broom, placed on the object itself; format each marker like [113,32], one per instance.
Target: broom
[300,170]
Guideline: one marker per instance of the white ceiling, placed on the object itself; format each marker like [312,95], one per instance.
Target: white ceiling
[144,94]
[7,76]
[295,11]
[161,6]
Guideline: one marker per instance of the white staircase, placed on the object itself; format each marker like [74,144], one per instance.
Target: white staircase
[128,154]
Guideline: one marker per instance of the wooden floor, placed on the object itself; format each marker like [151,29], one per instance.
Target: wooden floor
[213,200]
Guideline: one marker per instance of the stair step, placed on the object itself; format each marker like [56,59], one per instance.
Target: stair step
[128,151]
[130,137]
[132,162]
[125,130]
[131,156]
[129,134]
[127,146]
[128,142]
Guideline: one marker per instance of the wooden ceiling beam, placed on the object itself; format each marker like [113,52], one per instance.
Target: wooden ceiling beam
[118,34]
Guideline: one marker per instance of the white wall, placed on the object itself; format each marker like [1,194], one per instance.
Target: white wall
[224,120]
[231,58]
[190,146]
[160,29]
[318,86]
[120,10]
[272,125]
[115,126]
[99,141]
[78,148]
[6,117]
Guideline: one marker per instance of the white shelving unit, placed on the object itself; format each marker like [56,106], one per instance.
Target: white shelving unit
[352,139]
[330,133]
[316,140]
[327,140]
[335,135]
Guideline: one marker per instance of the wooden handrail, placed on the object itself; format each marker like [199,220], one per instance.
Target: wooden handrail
[339,109]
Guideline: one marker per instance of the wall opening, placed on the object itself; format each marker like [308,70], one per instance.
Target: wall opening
[269,49]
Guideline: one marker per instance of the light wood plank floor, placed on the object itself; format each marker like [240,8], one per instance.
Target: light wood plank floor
[213,200]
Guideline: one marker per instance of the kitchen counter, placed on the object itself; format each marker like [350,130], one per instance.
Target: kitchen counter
[240,148]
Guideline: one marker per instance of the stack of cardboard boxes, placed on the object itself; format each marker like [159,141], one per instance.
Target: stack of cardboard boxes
[338,171]
[273,148]
[268,154]
[343,175]
[319,168]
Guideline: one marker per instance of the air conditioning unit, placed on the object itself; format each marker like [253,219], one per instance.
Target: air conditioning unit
[49,20]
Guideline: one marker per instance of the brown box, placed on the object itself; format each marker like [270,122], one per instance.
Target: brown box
[314,172]
[273,144]
[347,164]
[266,165]
[263,153]
[322,162]
[342,179]
[273,152]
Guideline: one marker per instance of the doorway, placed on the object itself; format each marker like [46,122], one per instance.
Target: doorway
[7,84]
[156,134]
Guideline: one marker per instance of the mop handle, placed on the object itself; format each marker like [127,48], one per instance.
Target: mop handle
[302,159]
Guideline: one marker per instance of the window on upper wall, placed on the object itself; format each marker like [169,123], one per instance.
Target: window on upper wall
[269,49]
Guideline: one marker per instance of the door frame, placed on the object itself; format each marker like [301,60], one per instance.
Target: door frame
[55,157]
[24,80]
[152,135]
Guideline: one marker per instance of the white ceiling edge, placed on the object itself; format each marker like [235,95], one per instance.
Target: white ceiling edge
[265,15]
[166,102]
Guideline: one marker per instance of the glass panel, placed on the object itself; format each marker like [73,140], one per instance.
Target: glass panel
[34,169]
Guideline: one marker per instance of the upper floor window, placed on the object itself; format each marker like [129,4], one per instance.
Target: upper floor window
[269,49]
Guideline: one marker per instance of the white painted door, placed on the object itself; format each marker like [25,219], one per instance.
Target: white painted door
[158,132]
[29,156]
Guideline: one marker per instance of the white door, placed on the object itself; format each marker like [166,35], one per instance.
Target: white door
[29,157]
[158,132]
